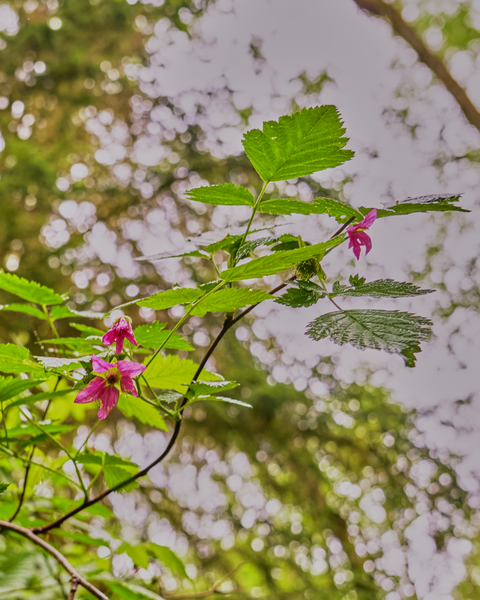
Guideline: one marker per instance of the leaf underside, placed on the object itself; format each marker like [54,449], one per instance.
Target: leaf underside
[229,300]
[333,208]
[393,331]
[381,288]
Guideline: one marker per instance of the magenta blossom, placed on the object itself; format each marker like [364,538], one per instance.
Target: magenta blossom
[357,235]
[121,329]
[111,378]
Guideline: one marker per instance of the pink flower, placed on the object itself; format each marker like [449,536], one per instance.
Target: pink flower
[111,378]
[121,329]
[357,235]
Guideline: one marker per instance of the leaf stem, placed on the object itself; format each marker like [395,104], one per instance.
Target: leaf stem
[254,210]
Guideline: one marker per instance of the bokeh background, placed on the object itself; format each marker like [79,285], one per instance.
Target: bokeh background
[352,477]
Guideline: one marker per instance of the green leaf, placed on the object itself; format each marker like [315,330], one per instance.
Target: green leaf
[228,193]
[114,475]
[63,312]
[169,397]
[145,413]
[164,255]
[308,141]
[421,204]
[85,329]
[249,247]
[81,538]
[14,432]
[76,343]
[12,386]
[32,398]
[274,263]
[15,359]
[168,558]
[52,363]
[381,288]
[3,486]
[210,387]
[154,336]
[170,373]
[129,591]
[305,294]
[26,309]
[137,553]
[221,399]
[340,211]
[29,290]
[228,300]
[393,331]
[170,298]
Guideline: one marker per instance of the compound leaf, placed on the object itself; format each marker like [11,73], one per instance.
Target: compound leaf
[308,141]
[228,193]
[393,331]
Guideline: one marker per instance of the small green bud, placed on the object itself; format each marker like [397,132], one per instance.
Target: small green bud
[307,269]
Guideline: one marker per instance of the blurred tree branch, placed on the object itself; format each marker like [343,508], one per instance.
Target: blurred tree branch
[401,28]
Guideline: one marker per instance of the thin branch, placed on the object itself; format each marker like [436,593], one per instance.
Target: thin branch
[56,555]
[213,590]
[73,588]
[389,12]
[228,324]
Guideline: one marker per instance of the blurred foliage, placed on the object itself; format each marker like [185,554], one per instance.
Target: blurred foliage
[311,491]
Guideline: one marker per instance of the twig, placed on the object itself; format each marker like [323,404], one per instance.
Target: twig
[212,590]
[28,533]
[73,588]
[228,324]
[388,11]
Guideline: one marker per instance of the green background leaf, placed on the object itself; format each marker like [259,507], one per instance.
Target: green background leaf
[228,193]
[29,290]
[228,300]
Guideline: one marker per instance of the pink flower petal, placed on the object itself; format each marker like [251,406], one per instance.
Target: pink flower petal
[119,346]
[130,368]
[369,219]
[364,240]
[108,400]
[131,338]
[109,337]
[127,385]
[99,365]
[93,391]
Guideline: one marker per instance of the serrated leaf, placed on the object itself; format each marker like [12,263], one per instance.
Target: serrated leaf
[164,255]
[11,386]
[308,141]
[381,288]
[306,294]
[249,247]
[114,475]
[85,329]
[228,300]
[52,363]
[210,387]
[170,298]
[142,411]
[16,359]
[169,397]
[228,194]
[76,343]
[274,263]
[26,309]
[170,373]
[63,312]
[14,432]
[421,204]
[340,211]
[154,335]
[29,290]
[393,331]
[222,399]
[168,558]
[3,486]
